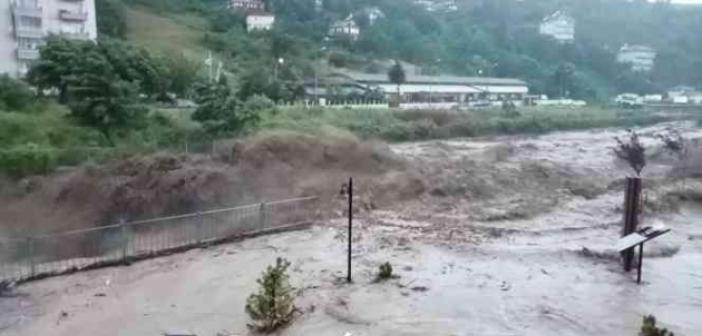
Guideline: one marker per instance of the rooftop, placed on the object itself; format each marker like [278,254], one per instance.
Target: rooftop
[636,47]
[420,79]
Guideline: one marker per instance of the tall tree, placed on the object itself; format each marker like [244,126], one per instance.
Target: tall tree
[56,65]
[397,76]
[220,111]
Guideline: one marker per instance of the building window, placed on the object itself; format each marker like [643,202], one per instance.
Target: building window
[30,22]
[26,43]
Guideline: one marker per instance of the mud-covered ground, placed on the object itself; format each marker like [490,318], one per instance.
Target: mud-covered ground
[513,236]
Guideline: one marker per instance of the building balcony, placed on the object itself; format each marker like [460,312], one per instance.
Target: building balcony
[76,36]
[67,15]
[23,10]
[29,33]
[26,54]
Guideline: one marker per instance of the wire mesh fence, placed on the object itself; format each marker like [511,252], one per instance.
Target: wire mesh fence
[38,256]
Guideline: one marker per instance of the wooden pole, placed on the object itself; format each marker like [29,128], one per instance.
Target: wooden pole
[350,193]
[631,216]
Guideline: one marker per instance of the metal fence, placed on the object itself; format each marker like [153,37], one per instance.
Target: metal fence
[46,255]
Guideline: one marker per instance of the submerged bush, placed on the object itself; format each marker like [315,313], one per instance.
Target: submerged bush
[385,271]
[632,152]
[649,328]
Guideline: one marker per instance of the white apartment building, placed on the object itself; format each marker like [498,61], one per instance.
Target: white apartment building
[260,21]
[25,24]
[641,57]
[559,26]
[346,28]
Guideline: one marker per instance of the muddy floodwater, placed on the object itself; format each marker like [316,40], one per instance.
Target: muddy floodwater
[514,236]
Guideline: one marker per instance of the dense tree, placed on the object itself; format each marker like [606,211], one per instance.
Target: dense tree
[138,66]
[182,73]
[220,111]
[58,61]
[103,83]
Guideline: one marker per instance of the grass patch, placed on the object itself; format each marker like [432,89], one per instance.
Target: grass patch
[397,126]
[163,35]
[38,141]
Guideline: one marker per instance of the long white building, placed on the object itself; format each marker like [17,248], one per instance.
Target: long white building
[25,24]
[423,89]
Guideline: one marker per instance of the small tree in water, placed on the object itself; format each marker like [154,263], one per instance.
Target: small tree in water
[649,328]
[631,151]
[674,143]
[272,306]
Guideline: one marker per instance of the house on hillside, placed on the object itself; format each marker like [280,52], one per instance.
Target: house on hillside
[640,57]
[346,28]
[259,21]
[246,6]
[438,5]
[257,18]
[558,26]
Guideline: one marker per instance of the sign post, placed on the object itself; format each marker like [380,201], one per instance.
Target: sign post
[629,242]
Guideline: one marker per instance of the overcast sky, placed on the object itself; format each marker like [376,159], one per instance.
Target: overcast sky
[699,2]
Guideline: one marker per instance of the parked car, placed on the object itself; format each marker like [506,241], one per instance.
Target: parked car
[629,100]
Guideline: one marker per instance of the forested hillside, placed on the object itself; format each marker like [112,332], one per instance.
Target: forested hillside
[487,37]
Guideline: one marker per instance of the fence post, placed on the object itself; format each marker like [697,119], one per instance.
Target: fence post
[262,216]
[125,238]
[30,251]
[200,233]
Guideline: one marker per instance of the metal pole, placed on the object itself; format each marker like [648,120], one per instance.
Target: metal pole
[638,275]
[348,277]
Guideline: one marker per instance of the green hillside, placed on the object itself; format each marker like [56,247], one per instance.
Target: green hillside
[166,34]
[477,37]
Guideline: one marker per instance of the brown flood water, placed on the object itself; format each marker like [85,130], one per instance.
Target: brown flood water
[506,261]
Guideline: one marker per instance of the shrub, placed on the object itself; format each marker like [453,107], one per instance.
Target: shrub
[26,160]
[649,328]
[259,104]
[385,271]
[14,94]
[272,306]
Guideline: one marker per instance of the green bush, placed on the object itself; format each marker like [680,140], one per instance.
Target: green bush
[385,271]
[15,95]
[27,159]
[649,328]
